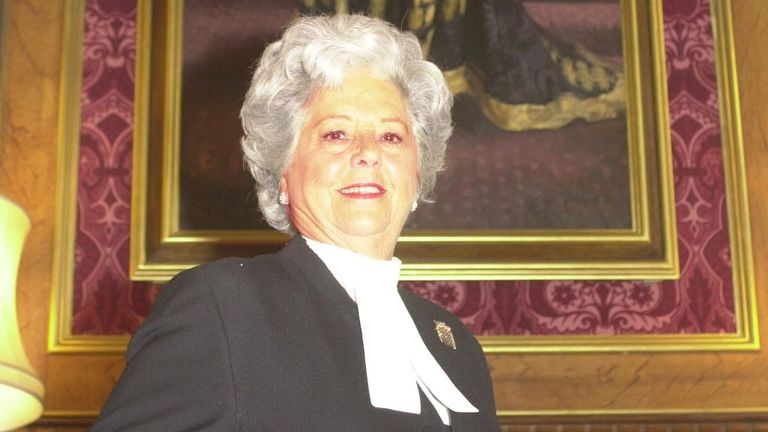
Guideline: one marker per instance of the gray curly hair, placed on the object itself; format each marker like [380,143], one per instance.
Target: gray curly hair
[314,53]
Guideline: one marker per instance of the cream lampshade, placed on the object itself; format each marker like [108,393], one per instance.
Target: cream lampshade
[21,393]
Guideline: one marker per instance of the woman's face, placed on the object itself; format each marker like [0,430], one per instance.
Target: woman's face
[354,174]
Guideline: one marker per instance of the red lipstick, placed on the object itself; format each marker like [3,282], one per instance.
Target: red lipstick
[363,191]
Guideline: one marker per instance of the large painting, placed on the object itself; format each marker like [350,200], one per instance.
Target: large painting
[540,140]
[559,165]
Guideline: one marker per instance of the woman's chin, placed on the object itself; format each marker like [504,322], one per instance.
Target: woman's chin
[367,227]
[362,230]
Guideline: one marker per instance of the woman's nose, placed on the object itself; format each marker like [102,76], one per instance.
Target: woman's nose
[367,151]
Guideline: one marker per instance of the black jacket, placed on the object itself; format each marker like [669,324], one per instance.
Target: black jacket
[273,343]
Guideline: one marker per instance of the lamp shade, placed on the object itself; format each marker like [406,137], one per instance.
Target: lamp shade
[21,393]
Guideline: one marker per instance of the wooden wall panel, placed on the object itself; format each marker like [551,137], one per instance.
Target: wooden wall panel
[31,68]
[541,392]
[28,150]
[28,153]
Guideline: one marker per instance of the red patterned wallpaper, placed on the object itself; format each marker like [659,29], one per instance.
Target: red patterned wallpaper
[701,301]
[105,301]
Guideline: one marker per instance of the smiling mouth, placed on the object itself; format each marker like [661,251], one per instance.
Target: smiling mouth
[362,191]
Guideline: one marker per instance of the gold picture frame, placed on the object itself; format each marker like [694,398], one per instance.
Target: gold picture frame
[647,250]
[61,339]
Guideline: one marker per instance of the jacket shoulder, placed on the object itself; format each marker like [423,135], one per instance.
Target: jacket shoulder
[232,268]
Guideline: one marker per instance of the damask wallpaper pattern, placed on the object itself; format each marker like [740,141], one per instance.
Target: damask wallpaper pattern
[106,302]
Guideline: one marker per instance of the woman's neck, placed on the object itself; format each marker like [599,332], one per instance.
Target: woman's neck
[379,247]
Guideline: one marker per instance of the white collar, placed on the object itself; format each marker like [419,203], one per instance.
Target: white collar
[397,361]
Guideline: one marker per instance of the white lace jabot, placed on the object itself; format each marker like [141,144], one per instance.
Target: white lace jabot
[397,362]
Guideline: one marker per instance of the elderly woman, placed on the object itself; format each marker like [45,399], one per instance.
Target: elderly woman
[345,130]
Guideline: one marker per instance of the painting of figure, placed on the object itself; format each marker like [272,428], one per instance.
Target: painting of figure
[540,126]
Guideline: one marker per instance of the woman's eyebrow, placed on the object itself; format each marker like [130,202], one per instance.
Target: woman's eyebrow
[397,120]
[348,118]
[330,117]
[336,116]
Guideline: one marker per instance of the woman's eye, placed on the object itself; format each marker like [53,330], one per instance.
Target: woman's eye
[336,135]
[391,138]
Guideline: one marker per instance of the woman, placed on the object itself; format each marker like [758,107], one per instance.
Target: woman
[345,130]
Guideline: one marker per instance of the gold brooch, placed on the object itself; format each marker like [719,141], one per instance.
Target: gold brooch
[445,334]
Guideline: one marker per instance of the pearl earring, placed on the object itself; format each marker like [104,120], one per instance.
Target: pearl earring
[414,206]
[283,198]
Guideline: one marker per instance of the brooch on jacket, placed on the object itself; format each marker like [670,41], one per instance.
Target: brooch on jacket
[445,334]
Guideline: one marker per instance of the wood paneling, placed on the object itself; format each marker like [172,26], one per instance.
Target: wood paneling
[28,151]
[547,391]
[31,68]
